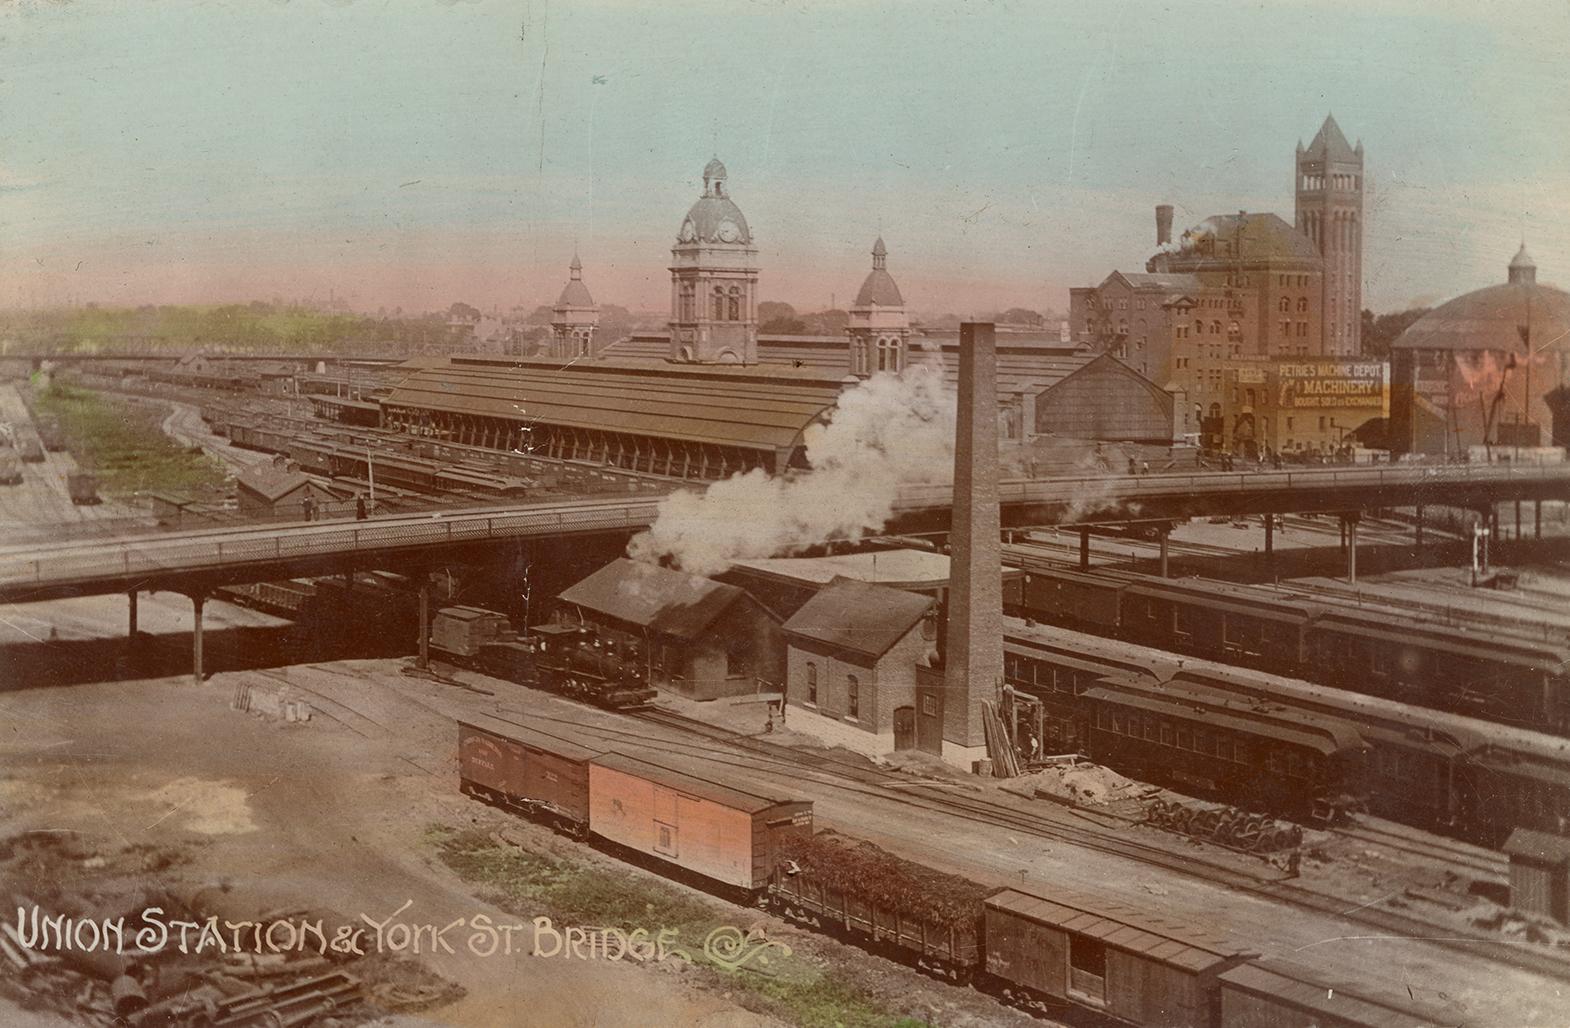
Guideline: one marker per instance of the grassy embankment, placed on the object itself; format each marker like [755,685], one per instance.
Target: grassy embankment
[530,885]
[124,445]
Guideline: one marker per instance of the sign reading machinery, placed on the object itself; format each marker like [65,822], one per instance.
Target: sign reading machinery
[1321,384]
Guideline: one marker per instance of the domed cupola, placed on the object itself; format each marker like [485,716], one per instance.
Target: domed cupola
[878,326]
[714,279]
[574,318]
[1523,270]
[715,218]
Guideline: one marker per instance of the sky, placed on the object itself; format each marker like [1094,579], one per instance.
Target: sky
[413,153]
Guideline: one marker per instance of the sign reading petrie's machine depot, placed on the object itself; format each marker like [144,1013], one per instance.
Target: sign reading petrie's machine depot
[1322,384]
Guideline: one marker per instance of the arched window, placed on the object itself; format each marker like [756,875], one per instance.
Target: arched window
[1215,328]
[1199,327]
[1285,304]
[688,297]
[719,304]
[852,696]
[1233,329]
[735,303]
[1302,305]
[812,683]
[888,354]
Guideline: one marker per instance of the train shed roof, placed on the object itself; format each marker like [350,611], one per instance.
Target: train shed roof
[751,407]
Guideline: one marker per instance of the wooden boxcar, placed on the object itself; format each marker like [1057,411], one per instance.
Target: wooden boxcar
[1128,964]
[721,832]
[1280,995]
[524,770]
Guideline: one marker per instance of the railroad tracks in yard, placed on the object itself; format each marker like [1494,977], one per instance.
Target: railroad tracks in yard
[1278,889]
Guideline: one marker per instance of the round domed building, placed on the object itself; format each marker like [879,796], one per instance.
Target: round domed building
[1485,369]
[878,325]
[714,280]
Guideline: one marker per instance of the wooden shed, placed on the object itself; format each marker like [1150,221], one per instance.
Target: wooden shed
[722,832]
[1124,962]
[271,489]
[1539,873]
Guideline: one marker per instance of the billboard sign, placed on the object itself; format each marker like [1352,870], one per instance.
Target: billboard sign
[1333,384]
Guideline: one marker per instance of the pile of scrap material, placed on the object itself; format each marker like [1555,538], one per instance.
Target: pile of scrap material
[98,942]
[860,869]
[1081,784]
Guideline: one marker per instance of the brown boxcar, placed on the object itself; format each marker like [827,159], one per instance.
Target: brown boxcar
[1060,596]
[721,832]
[525,770]
[1282,995]
[1127,963]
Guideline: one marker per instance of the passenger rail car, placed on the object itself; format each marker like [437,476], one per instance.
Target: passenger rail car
[1431,769]
[1248,751]
[1416,659]
[1057,952]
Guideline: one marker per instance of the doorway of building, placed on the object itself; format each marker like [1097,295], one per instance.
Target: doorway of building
[904,728]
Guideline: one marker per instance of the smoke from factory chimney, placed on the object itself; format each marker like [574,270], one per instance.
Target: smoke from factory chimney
[1163,224]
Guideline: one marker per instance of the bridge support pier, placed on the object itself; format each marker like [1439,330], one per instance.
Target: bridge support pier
[1084,549]
[1537,519]
[1270,538]
[197,675]
[1165,531]
[1418,529]
[425,622]
[131,619]
[1349,534]
[1518,521]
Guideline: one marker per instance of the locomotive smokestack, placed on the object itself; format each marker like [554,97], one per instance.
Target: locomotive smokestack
[1163,224]
[973,651]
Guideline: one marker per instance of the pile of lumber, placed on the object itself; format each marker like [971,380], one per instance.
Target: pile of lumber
[1005,762]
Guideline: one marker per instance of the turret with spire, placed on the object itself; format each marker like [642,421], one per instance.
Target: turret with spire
[1329,189]
[878,327]
[575,317]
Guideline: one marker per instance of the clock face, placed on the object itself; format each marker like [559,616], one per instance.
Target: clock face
[728,232]
[688,232]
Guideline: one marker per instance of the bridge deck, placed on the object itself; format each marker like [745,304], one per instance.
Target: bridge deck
[173,560]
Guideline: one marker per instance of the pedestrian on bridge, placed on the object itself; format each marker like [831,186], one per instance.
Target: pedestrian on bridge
[310,508]
[359,507]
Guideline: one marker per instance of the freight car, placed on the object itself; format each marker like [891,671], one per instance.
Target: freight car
[1500,678]
[1063,954]
[568,660]
[83,487]
[849,887]
[680,822]
[10,469]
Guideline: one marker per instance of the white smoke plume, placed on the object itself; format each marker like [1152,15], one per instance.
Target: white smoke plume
[888,431]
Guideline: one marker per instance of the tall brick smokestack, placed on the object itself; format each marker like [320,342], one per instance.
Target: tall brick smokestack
[1163,224]
[973,650]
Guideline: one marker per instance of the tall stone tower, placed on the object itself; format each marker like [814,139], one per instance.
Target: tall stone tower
[879,327]
[1330,187]
[574,317]
[714,280]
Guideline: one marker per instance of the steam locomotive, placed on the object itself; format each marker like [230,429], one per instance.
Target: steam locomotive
[566,659]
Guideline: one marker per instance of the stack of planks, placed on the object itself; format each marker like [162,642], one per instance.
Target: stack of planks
[1005,762]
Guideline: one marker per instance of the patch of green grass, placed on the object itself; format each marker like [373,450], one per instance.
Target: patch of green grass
[569,892]
[124,445]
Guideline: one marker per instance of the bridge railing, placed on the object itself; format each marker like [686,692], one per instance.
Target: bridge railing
[159,555]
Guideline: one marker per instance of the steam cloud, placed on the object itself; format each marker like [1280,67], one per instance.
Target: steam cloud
[888,431]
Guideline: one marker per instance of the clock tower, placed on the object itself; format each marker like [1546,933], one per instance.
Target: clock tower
[714,280]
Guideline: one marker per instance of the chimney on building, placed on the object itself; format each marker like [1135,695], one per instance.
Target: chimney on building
[1163,224]
[973,650]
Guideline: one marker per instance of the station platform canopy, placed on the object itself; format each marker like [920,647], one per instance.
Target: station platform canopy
[710,420]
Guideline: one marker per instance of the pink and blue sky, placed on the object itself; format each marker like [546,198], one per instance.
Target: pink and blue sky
[415,152]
